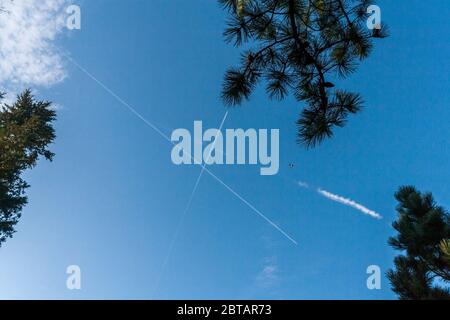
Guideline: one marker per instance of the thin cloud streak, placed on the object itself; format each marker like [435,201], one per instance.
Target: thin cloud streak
[350,203]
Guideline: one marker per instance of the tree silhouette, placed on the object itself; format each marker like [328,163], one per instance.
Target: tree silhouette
[300,47]
[423,228]
[25,132]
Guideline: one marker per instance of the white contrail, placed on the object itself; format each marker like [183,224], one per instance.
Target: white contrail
[186,210]
[345,201]
[350,203]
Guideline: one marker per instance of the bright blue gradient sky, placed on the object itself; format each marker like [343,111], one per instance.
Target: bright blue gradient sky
[111,200]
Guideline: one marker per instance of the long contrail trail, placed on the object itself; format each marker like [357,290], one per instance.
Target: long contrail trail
[342,200]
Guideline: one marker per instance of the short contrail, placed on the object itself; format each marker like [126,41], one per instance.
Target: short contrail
[344,201]
[350,203]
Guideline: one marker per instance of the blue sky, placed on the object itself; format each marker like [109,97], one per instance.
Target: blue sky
[112,199]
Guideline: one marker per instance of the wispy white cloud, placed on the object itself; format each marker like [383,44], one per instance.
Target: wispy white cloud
[303,184]
[269,275]
[350,203]
[28,55]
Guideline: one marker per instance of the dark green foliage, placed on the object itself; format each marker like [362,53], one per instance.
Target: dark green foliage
[424,272]
[25,132]
[299,45]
